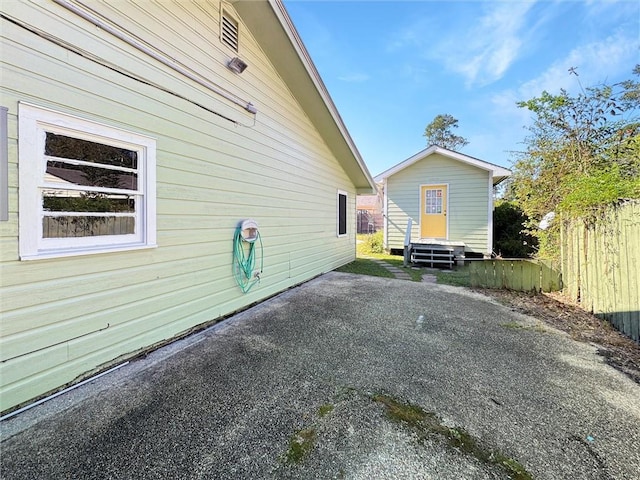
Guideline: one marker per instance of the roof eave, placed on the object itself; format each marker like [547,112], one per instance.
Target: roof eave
[272,27]
[498,172]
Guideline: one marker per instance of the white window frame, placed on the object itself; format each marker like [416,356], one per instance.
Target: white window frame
[34,122]
[346,213]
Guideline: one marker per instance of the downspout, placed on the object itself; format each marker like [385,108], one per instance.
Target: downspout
[4,165]
[385,217]
[490,217]
[407,243]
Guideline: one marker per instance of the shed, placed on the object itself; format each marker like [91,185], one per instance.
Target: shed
[137,136]
[440,202]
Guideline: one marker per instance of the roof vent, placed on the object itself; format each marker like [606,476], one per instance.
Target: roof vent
[229,34]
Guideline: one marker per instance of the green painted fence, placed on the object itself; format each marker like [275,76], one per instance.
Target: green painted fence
[521,275]
[601,266]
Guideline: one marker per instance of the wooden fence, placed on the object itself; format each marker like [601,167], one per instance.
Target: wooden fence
[601,266]
[521,275]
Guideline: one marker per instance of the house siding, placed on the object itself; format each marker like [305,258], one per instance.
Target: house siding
[468,199]
[64,318]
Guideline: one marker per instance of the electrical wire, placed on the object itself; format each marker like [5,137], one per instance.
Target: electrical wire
[244,261]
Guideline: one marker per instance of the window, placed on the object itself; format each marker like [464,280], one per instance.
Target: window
[433,201]
[84,187]
[229,31]
[342,213]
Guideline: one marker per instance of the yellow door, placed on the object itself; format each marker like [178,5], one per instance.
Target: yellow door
[433,211]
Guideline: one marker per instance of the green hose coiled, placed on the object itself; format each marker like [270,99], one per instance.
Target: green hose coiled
[244,261]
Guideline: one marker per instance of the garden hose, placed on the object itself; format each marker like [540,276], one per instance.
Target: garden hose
[244,261]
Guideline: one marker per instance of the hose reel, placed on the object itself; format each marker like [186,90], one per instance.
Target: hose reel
[245,239]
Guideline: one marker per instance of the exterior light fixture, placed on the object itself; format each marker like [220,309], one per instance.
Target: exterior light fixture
[237,65]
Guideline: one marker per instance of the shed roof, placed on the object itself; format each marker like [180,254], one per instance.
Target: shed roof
[272,27]
[498,173]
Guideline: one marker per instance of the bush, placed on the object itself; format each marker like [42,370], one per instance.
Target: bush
[509,238]
[374,243]
[594,192]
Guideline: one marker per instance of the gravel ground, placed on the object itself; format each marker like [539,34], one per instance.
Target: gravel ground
[557,311]
[338,378]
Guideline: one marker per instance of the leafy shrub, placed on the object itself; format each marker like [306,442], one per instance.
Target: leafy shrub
[582,155]
[374,243]
[510,238]
[588,193]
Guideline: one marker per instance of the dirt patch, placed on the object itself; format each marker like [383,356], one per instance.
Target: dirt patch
[557,311]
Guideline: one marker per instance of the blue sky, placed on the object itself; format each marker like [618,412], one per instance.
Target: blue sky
[392,66]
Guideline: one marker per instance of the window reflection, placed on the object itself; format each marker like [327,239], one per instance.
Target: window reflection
[88,176]
[76,149]
[433,201]
[73,226]
[69,201]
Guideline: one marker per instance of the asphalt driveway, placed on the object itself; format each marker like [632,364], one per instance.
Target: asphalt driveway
[342,378]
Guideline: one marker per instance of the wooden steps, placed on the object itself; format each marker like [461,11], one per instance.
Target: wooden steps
[432,255]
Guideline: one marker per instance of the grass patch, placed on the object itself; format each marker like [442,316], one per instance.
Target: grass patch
[397,261]
[402,412]
[519,326]
[325,410]
[387,257]
[427,424]
[300,444]
[512,325]
[366,249]
[362,266]
[459,278]
[365,266]
[415,273]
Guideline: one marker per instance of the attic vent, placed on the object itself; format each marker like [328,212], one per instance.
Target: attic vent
[229,33]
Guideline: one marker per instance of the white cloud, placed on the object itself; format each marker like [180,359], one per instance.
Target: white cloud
[354,77]
[480,42]
[606,61]
[504,105]
[484,52]
[411,36]
[595,63]
[611,8]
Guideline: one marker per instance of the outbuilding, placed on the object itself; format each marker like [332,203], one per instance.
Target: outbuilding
[439,203]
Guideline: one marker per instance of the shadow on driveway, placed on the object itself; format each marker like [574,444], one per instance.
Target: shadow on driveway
[337,378]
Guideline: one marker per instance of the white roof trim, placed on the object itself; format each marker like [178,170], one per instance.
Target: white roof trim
[303,54]
[497,171]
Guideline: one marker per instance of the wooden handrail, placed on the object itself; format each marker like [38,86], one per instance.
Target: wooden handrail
[407,243]
[407,235]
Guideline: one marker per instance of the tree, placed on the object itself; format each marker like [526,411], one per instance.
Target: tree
[582,154]
[509,239]
[439,132]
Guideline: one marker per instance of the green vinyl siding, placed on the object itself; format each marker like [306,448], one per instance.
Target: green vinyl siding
[467,206]
[65,317]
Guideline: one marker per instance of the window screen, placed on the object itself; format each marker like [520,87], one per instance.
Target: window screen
[342,213]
